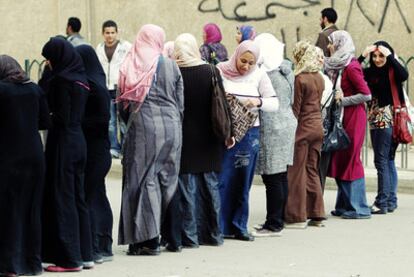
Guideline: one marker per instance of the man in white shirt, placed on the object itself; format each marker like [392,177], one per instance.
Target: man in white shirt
[111,54]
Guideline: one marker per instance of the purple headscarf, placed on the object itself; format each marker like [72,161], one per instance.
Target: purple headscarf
[247,32]
[213,33]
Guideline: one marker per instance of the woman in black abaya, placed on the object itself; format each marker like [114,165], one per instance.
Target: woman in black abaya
[98,162]
[23,111]
[66,228]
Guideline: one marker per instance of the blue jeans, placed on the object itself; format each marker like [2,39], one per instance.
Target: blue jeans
[235,181]
[200,208]
[384,155]
[351,199]
[113,127]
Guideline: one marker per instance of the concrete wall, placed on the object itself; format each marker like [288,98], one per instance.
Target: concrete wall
[27,24]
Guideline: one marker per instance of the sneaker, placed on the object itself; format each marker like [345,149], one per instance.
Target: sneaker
[267,233]
[114,154]
[88,265]
[296,225]
[354,216]
[98,259]
[107,258]
[391,210]
[258,226]
[316,223]
[376,210]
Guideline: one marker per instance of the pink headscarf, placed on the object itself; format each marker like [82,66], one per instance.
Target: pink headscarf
[139,67]
[229,68]
[213,33]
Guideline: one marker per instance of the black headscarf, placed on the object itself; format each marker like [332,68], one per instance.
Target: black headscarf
[378,78]
[66,62]
[93,67]
[11,71]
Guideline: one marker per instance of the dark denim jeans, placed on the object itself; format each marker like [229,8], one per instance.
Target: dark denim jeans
[384,155]
[200,207]
[235,181]
[351,199]
[113,127]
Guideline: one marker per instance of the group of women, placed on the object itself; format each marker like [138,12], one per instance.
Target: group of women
[55,203]
[182,185]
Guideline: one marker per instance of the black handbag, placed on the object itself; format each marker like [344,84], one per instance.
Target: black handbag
[336,137]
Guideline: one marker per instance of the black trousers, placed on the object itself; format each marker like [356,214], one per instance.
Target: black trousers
[276,195]
[324,162]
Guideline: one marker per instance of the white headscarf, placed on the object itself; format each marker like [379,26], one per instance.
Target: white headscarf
[271,51]
[344,51]
[186,51]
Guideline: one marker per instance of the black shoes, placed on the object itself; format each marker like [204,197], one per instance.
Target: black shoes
[134,250]
[244,237]
[376,210]
[173,248]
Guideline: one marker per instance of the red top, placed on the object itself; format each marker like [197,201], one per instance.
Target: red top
[346,164]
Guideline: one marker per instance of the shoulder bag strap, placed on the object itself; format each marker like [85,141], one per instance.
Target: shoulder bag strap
[394,89]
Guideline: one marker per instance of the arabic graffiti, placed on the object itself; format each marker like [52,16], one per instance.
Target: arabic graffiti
[216,6]
[369,19]
[237,16]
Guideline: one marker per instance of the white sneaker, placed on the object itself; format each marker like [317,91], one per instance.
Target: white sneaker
[258,226]
[267,233]
[296,225]
[88,265]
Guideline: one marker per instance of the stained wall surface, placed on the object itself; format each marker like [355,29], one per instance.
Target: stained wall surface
[27,24]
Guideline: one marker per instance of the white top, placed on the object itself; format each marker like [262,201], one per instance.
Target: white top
[111,68]
[256,84]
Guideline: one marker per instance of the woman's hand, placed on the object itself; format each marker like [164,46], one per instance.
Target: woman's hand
[368,50]
[230,142]
[339,95]
[252,102]
[384,50]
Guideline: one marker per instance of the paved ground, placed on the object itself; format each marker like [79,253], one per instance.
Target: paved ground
[381,246]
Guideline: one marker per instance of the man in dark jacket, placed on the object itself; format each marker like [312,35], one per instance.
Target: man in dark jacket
[328,19]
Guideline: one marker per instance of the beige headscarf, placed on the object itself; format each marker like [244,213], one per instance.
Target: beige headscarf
[306,58]
[186,51]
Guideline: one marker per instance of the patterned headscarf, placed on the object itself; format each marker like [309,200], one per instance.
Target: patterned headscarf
[247,32]
[271,51]
[306,58]
[229,68]
[344,52]
[213,33]
[186,51]
[139,67]
[11,71]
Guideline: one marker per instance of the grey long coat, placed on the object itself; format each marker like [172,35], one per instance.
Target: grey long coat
[277,129]
[151,160]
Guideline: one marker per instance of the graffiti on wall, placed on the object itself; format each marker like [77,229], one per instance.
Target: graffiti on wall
[236,12]
[386,9]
